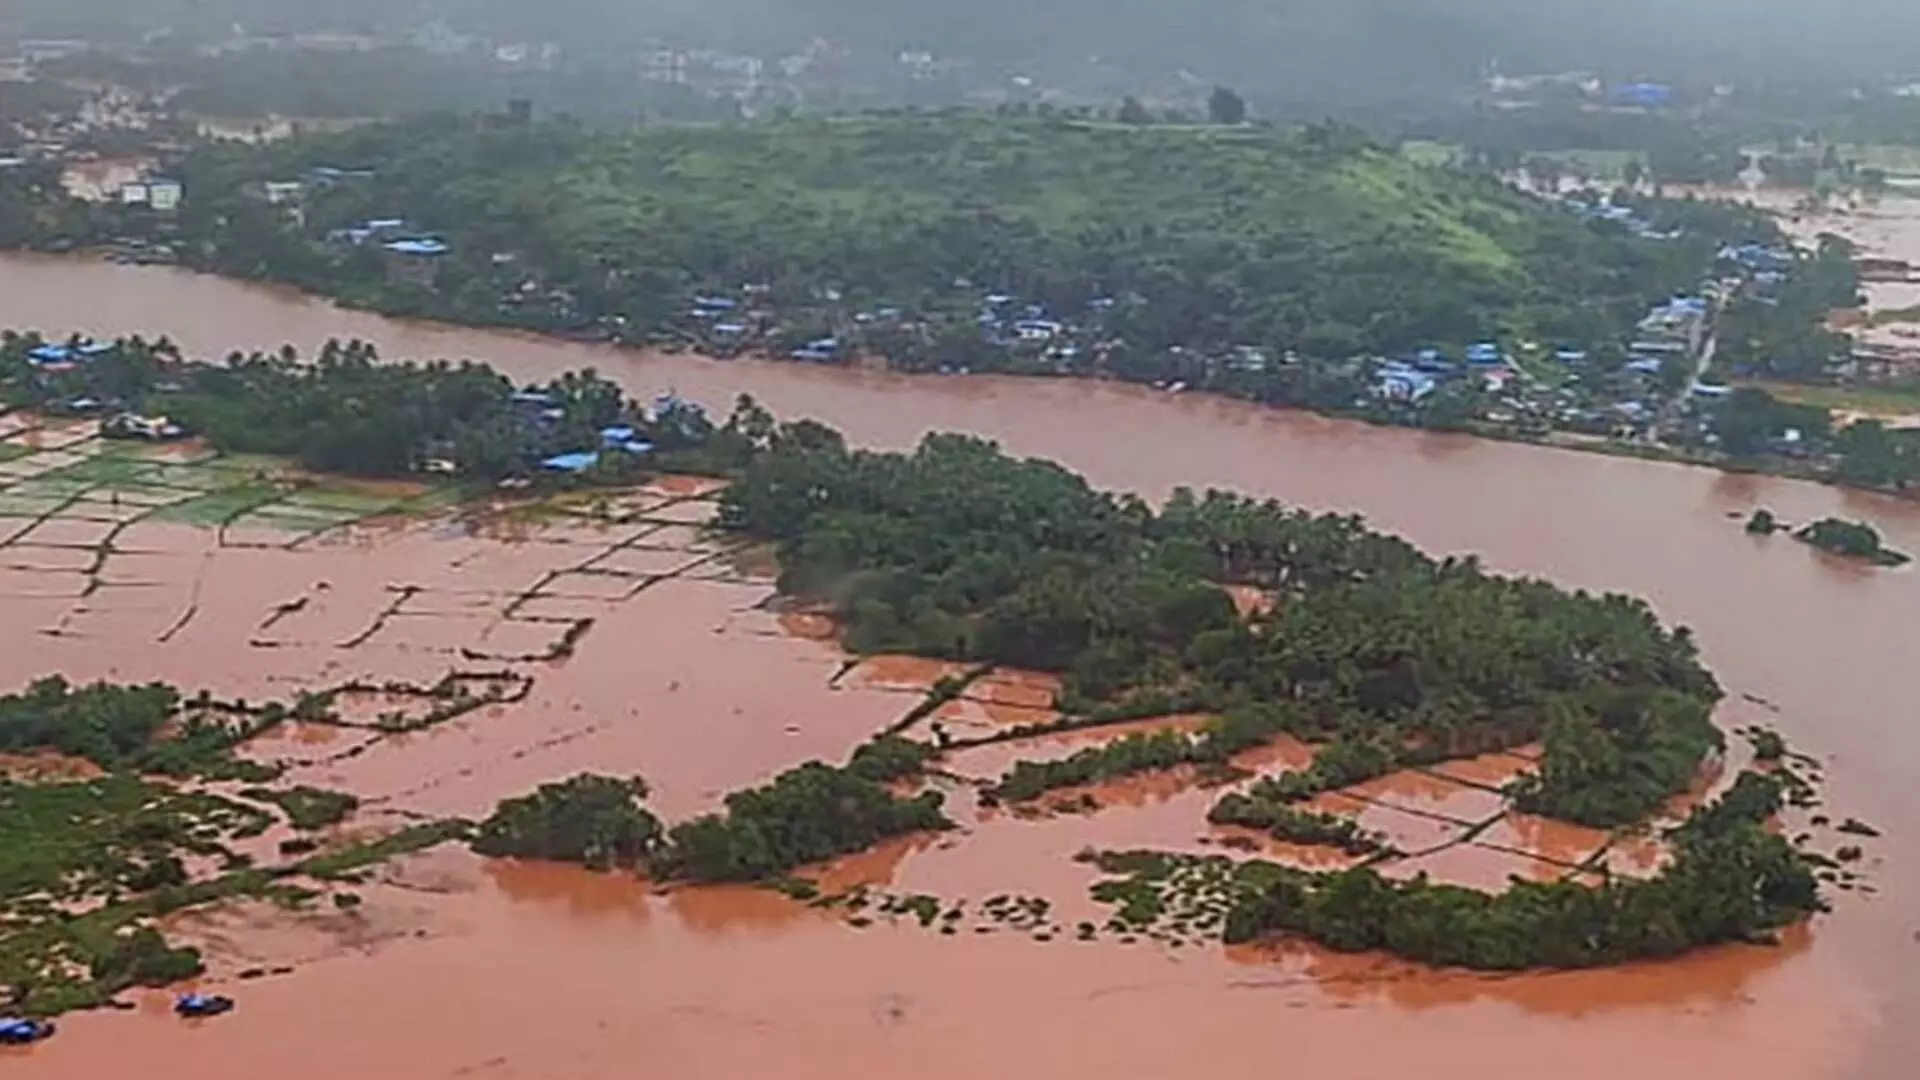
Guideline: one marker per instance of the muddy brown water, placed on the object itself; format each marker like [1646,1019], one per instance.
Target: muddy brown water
[460,968]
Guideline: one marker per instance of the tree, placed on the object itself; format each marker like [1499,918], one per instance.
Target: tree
[1226,107]
[594,820]
[1133,112]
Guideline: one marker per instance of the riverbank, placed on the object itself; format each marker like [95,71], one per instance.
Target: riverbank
[1810,645]
[1793,468]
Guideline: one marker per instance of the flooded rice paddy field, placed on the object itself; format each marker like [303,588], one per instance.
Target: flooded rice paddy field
[459,967]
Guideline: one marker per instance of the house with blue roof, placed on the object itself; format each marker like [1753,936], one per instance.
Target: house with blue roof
[625,439]
[415,261]
[571,464]
[55,355]
[1643,95]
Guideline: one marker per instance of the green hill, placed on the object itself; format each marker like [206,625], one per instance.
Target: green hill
[1312,238]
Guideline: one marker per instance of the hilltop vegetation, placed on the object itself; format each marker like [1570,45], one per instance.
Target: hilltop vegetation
[1311,239]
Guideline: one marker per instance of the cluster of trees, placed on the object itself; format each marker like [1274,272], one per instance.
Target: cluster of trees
[1615,756]
[597,821]
[804,815]
[959,551]
[1854,539]
[1297,826]
[1783,332]
[1754,426]
[347,412]
[113,726]
[143,958]
[1341,763]
[1872,455]
[1121,757]
[1730,880]
[1315,239]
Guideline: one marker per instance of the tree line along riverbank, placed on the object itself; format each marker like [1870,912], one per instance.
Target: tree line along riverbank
[1295,267]
[1378,655]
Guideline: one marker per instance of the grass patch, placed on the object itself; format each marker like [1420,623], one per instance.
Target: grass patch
[1872,400]
[220,507]
[13,504]
[407,841]
[100,471]
[343,503]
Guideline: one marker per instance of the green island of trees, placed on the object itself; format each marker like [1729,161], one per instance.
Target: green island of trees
[1731,880]
[1851,539]
[1390,658]
[805,815]
[596,821]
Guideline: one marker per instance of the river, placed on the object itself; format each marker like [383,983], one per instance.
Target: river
[505,971]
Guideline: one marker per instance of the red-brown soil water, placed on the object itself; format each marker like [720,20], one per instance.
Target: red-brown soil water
[457,967]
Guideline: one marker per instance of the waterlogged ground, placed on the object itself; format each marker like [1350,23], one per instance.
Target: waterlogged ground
[637,641]
[456,967]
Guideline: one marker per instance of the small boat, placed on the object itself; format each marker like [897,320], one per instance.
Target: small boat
[191,1005]
[17,1032]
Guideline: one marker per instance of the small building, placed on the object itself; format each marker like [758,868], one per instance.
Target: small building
[1404,384]
[142,428]
[1037,330]
[164,194]
[624,438]
[54,356]
[821,351]
[1484,354]
[1643,95]
[1712,391]
[415,262]
[282,192]
[571,464]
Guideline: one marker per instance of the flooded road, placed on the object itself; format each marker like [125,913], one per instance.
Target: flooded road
[500,971]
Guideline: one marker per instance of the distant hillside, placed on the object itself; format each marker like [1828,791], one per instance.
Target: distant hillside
[1312,238]
[1370,49]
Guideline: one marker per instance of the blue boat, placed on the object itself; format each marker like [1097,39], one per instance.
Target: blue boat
[17,1032]
[191,1005]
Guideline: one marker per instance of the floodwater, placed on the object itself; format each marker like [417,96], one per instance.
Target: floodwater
[466,969]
